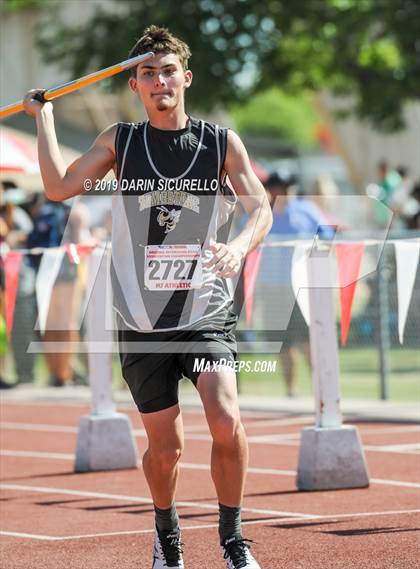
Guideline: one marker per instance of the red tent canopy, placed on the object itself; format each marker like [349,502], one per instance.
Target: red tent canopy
[17,155]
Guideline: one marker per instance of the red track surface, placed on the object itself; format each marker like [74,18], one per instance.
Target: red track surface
[51,517]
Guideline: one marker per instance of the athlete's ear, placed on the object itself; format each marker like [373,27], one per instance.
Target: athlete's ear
[188,78]
[133,84]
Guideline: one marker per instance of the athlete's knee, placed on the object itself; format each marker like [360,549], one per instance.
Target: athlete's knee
[164,457]
[225,427]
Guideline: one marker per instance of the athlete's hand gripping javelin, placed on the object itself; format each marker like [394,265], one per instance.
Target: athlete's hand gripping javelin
[50,94]
[32,102]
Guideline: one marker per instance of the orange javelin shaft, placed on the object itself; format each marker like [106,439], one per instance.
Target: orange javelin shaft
[55,92]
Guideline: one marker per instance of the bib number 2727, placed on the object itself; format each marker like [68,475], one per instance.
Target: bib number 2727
[173,267]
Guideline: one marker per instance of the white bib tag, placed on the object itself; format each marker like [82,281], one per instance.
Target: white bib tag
[172,267]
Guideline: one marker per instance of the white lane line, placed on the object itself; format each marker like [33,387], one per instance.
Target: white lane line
[286,439]
[136,531]
[263,415]
[302,420]
[51,428]
[259,424]
[197,466]
[47,403]
[34,454]
[296,521]
[383,430]
[140,531]
[395,483]
[141,433]
[244,412]
[280,422]
[38,427]
[367,514]
[30,535]
[410,448]
[293,437]
[191,428]
[251,469]
[140,499]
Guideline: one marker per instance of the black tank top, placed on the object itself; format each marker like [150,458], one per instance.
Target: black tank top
[170,195]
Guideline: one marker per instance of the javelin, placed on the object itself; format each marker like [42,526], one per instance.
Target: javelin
[55,92]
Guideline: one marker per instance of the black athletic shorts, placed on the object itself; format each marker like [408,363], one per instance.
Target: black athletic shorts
[153,374]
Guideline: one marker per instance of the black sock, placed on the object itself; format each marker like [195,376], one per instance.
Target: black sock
[229,522]
[166,520]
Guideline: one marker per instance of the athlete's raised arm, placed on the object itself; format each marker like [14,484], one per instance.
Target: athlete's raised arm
[61,183]
[227,258]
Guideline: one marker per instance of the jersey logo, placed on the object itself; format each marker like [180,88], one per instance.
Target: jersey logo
[168,198]
[168,218]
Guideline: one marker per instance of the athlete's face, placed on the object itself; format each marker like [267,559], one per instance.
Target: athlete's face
[161,82]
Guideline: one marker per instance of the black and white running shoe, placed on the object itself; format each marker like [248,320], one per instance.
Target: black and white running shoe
[236,552]
[167,551]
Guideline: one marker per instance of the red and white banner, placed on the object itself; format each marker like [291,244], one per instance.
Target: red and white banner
[407,262]
[349,259]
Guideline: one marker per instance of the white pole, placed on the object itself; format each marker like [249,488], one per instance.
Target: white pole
[323,339]
[100,364]
[105,440]
[330,454]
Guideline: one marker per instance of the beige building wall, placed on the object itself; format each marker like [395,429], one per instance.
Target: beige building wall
[365,147]
[22,68]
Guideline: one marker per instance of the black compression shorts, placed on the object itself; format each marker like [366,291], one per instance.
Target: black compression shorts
[153,362]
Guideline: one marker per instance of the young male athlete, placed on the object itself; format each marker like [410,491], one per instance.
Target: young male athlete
[172,269]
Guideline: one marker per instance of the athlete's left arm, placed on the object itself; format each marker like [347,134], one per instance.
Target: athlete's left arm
[227,258]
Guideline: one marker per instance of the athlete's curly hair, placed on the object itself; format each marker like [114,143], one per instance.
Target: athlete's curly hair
[160,40]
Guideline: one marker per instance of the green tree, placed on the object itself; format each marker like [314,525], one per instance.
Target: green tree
[275,114]
[366,48]
[224,37]
[15,5]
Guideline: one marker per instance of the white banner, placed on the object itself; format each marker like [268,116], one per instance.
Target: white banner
[407,260]
[300,280]
[47,274]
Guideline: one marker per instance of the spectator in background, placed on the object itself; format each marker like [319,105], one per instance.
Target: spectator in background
[19,225]
[18,221]
[402,202]
[4,230]
[389,180]
[293,218]
[56,223]
[325,194]
[407,184]
[412,212]
[3,336]
[103,231]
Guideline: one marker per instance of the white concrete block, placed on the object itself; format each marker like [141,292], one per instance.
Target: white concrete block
[105,442]
[331,458]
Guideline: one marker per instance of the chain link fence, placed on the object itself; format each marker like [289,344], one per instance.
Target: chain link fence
[373,364]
